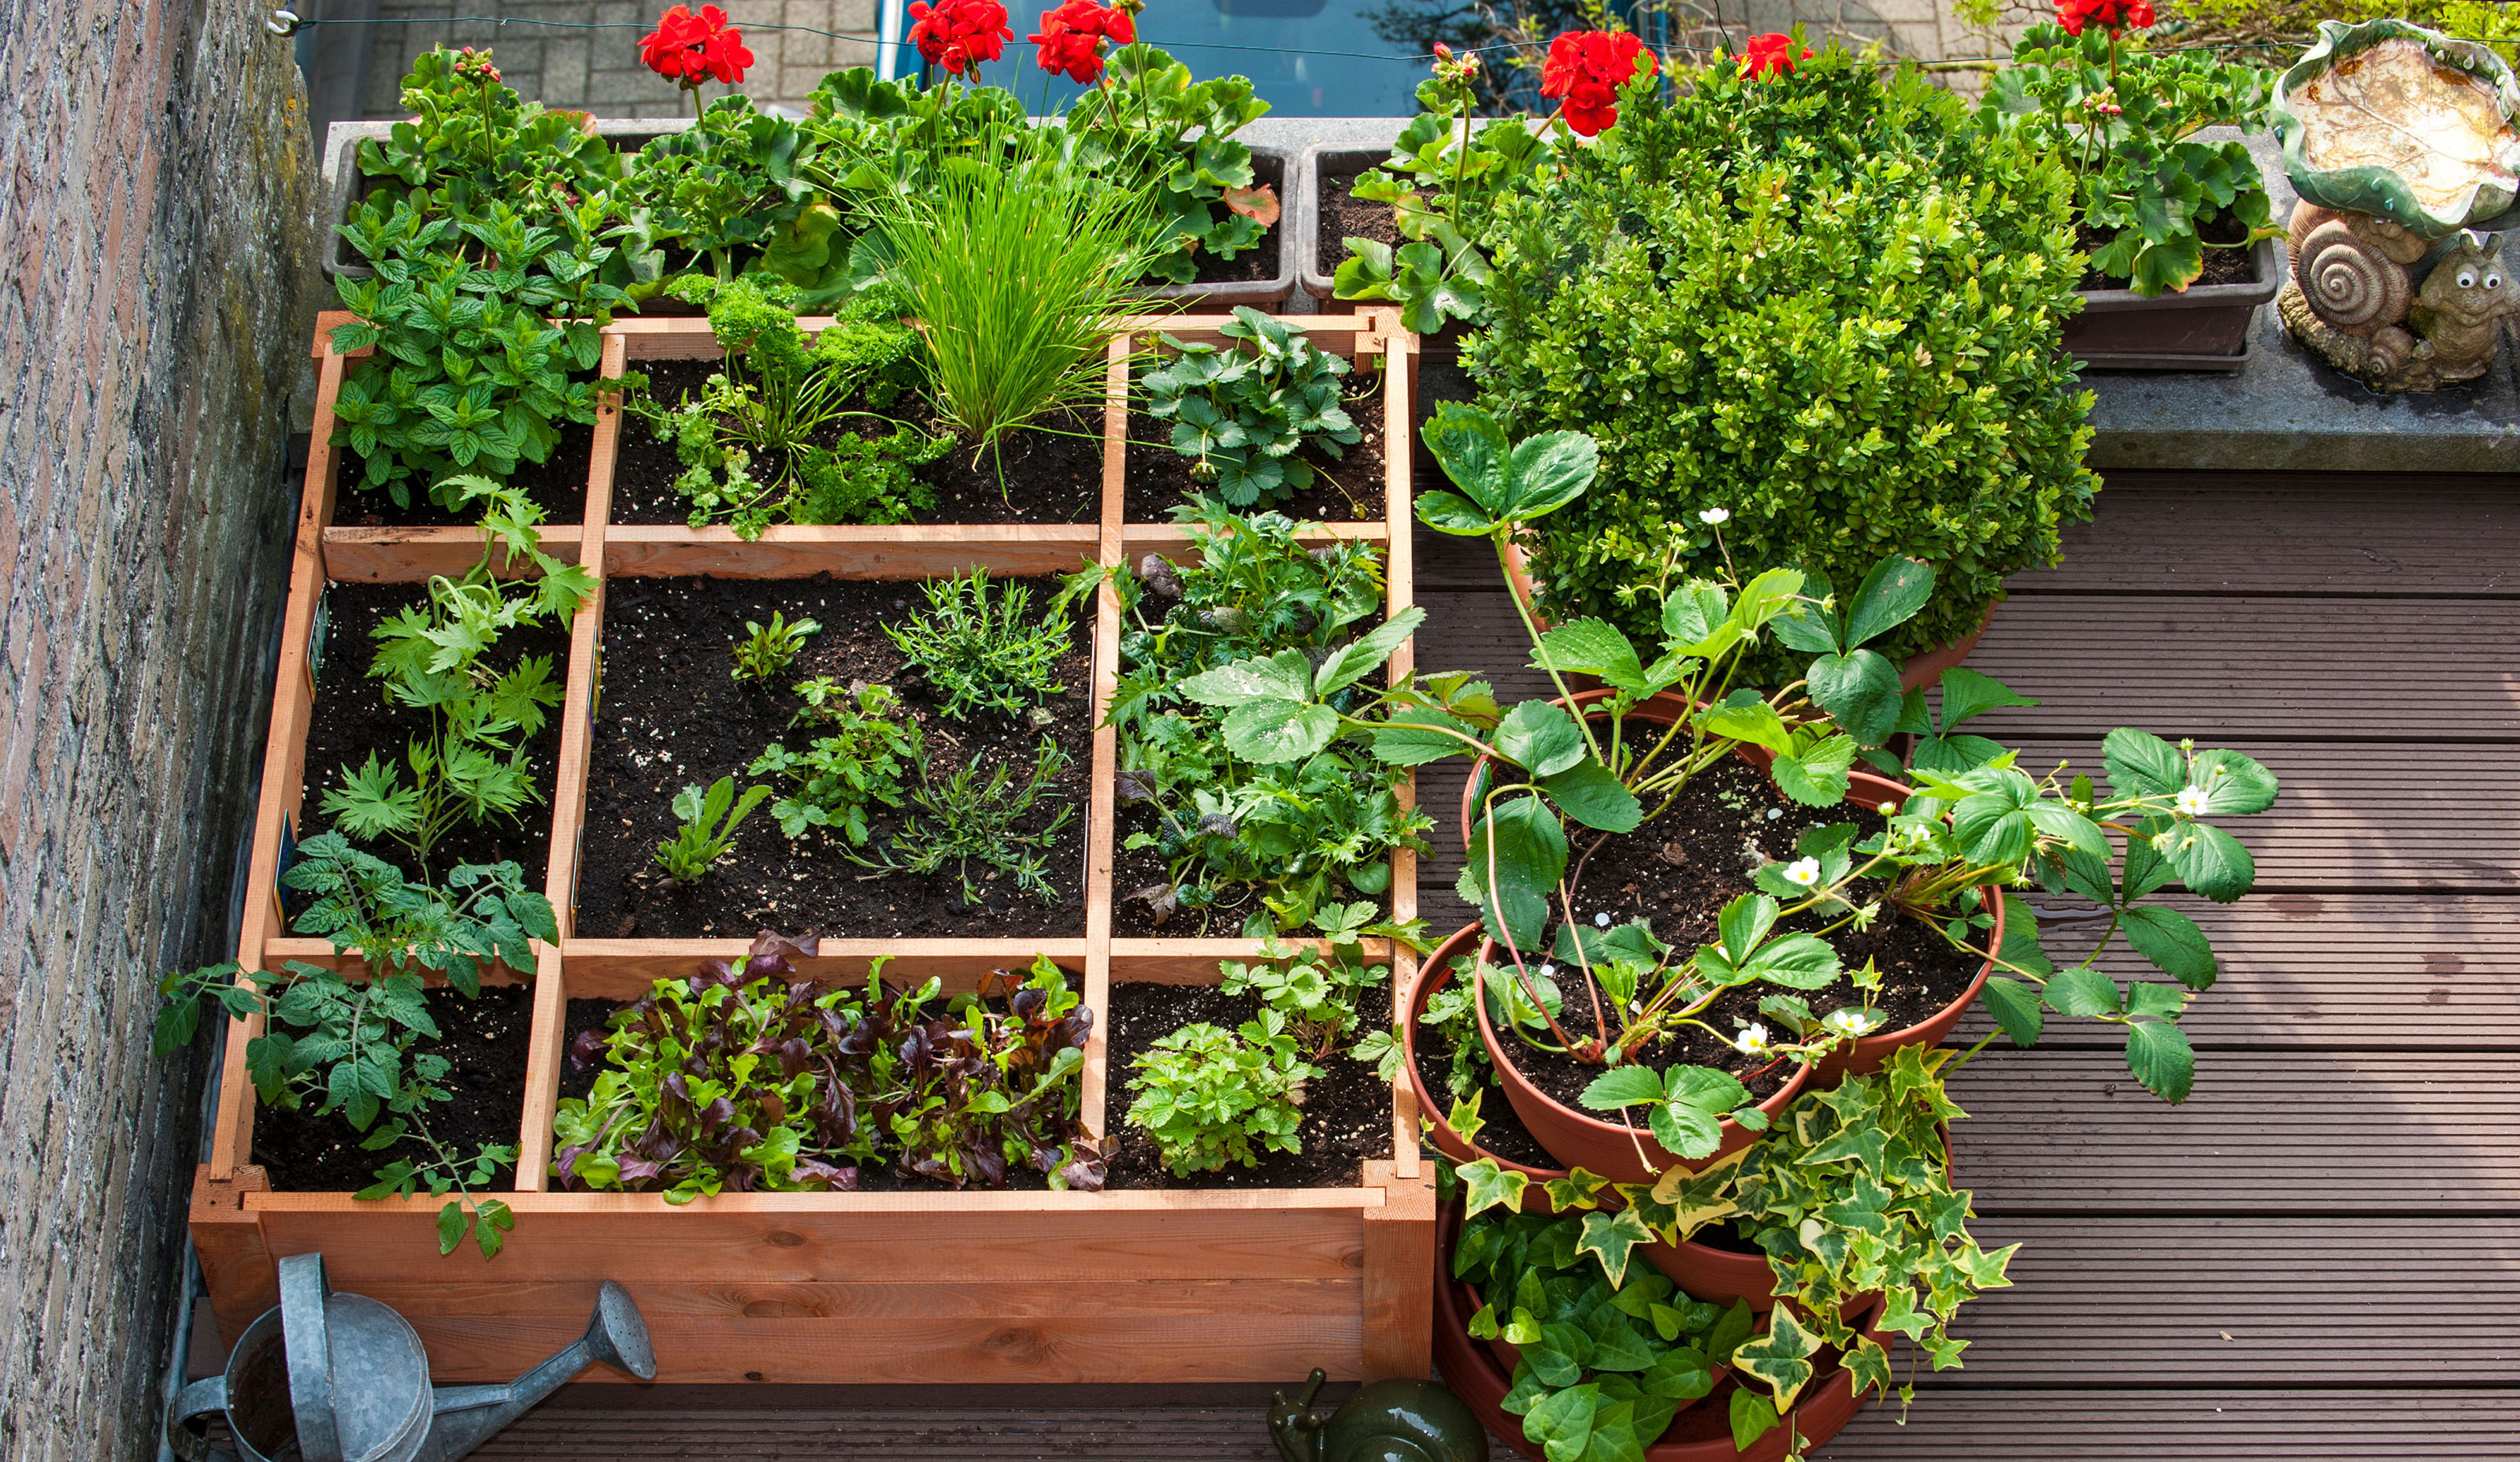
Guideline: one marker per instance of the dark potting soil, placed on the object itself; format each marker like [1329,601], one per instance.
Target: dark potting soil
[557,485]
[1348,1112]
[1502,1133]
[583,1016]
[670,717]
[351,718]
[2227,264]
[1681,870]
[1052,475]
[1139,869]
[1344,217]
[1259,262]
[484,1041]
[1345,489]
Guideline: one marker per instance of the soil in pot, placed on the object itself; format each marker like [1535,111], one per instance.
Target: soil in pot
[484,1041]
[1344,217]
[1504,1136]
[1347,1110]
[557,485]
[1052,475]
[671,716]
[1681,870]
[2228,264]
[1253,265]
[1345,489]
[350,718]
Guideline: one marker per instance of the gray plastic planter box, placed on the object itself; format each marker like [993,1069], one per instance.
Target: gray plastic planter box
[346,185]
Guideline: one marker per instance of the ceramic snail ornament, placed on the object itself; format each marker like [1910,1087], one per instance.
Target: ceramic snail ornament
[1385,1421]
[2404,146]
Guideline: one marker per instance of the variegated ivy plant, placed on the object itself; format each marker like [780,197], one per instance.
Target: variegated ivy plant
[1850,1196]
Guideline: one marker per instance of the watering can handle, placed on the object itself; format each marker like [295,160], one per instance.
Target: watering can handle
[187,1436]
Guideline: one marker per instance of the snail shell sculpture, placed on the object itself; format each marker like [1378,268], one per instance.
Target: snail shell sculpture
[2353,299]
[1385,1421]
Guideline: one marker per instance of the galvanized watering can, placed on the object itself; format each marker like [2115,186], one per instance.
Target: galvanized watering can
[342,1378]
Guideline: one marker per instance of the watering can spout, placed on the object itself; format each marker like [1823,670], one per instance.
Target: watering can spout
[616,1336]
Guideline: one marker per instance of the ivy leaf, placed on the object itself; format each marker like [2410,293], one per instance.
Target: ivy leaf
[1780,1358]
[1561,1422]
[1610,1238]
[1487,1185]
[2161,1059]
[1752,1416]
[2173,943]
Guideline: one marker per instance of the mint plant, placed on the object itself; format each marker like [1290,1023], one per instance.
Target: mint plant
[707,831]
[1315,990]
[984,652]
[1210,1097]
[348,1045]
[1241,416]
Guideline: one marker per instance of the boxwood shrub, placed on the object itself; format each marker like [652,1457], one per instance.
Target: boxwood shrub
[1822,301]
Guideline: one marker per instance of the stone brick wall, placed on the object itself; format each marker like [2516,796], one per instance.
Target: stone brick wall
[155,223]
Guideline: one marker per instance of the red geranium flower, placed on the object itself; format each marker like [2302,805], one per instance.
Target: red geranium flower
[1769,54]
[960,35]
[689,49]
[1071,39]
[1586,68]
[2112,14]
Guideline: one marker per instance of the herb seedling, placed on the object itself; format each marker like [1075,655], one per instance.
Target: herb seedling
[985,654]
[708,823]
[860,761]
[764,651]
[965,820]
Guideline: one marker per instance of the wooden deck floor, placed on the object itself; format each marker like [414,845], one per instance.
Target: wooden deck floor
[2317,1256]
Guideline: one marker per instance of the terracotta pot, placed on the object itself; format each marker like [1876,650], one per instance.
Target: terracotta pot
[1915,672]
[1863,789]
[1620,1153]
[1435,972]
[1701,1432]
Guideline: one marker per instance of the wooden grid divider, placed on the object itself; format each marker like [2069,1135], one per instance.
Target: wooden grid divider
[1366,1313]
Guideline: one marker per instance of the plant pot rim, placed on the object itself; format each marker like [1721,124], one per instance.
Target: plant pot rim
[1507,1074]
[2195,297]
[1915,672]
[1433,970]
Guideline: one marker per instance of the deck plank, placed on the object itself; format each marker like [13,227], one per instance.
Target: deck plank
[1949,1424]
[2265,1131]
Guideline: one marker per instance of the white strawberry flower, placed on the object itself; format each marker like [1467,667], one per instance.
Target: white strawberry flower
[1752,1040]
[1803,871]
[1713,517]
[1848,1022]
[2191,802]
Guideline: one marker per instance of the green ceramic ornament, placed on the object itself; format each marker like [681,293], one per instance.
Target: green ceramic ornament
[2404,124]
[1385,1421]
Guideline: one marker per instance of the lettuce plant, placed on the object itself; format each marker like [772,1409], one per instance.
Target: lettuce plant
[768,649]
[743,1077]
[708,831]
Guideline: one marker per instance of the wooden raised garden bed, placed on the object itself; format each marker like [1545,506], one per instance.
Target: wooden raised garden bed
[1147,1285]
